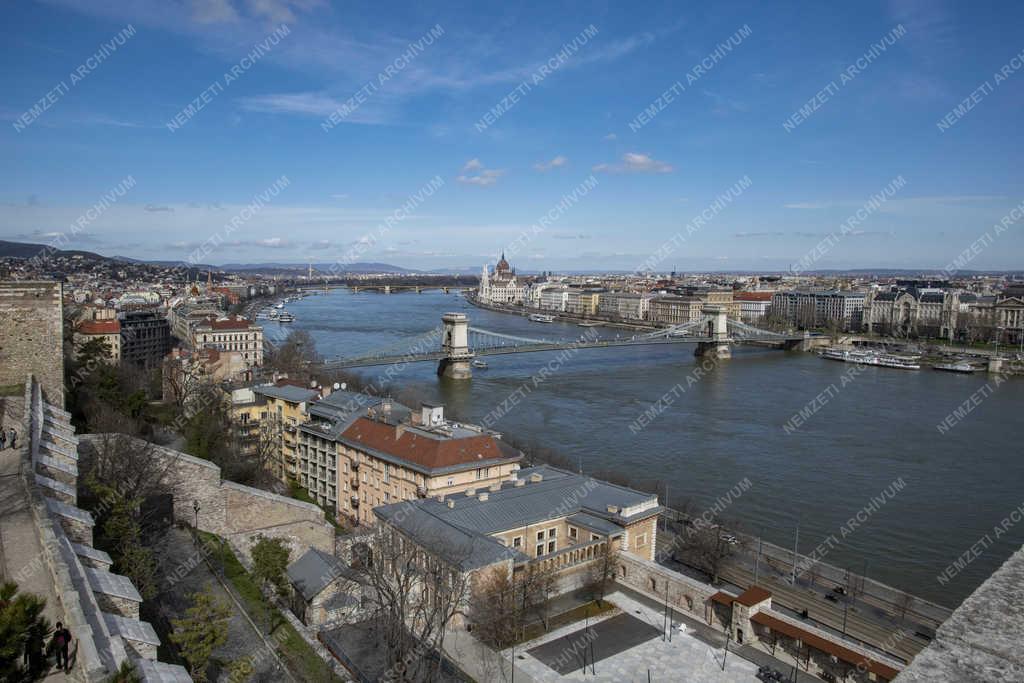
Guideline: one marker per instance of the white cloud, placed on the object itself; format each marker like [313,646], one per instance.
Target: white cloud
[610,137]
[557,162]
[634,162]
[472,165]
[487,176]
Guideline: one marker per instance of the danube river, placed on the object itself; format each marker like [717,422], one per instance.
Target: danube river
[952,490]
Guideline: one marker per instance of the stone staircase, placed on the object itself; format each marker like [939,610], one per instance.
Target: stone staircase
[100,608]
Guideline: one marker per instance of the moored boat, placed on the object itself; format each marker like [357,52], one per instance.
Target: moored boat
[542,318]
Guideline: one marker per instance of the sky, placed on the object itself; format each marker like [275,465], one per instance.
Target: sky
[575,136]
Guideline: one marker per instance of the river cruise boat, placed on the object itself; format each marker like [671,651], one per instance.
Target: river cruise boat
[868,357]
[482,365]
[285,317]
[542,318]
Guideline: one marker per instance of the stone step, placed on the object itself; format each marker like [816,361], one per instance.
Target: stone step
[139,635]
[57,412]
[64,465]
[58,489]
[70,438]
[59,449]
[91,557]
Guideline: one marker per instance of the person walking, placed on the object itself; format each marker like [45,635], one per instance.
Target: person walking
[3,439]
[14,438]
[60,643]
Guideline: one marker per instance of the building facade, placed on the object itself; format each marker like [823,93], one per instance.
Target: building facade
[230,334]
[145,337]
[502,286]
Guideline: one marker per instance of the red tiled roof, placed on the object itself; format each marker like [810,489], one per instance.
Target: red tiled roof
[752,296]
[752,596]
[423,450]
[100,327]
[230,324]
[723,598]
[827,646]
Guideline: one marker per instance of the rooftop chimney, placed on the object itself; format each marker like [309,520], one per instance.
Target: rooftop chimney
[470,493]
[451,503]
[483,497]
[520,483]
[536,477]
[431,415]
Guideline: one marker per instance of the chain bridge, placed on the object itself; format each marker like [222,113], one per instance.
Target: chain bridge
[455,344]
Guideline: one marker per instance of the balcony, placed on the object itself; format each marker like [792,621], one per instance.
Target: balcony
[355,501]
[355,465]
[355,484]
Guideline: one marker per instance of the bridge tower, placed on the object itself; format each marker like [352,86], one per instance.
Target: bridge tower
[455,343]
[718,331]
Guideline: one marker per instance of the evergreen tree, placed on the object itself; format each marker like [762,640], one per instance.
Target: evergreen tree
[203,629]
[270,561]
[22,627]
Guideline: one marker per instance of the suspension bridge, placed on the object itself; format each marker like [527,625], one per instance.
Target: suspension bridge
[455,344]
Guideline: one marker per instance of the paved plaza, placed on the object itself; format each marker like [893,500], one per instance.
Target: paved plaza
[686,658]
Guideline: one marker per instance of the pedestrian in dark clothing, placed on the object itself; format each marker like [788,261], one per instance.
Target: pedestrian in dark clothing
[14,438]
[3,439]
[60,643]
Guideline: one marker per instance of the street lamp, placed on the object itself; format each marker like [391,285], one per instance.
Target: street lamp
[195,506]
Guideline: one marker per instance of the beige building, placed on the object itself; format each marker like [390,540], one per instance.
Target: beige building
[356,453]
[106,330]
[545,516]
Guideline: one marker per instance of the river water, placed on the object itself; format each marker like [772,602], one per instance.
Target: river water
[869,433]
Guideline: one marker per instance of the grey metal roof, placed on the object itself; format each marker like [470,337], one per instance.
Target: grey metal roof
[464,530]
[286,392]
[457,546]
[596,524]
[315,571]
[558,494]
[91,553]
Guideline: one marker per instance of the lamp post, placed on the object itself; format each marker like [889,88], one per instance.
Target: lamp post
[195,506]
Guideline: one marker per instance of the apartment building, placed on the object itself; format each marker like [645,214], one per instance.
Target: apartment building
[624,305]
[145,337]
[267,419]
[807,309]
[753,305]
[356,453]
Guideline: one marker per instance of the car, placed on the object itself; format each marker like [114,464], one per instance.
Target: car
[840,590]
[831,598]
[730,539]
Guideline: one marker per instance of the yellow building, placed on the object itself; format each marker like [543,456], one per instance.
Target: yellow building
[267,418]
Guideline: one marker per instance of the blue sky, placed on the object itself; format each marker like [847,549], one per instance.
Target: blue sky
[420,122]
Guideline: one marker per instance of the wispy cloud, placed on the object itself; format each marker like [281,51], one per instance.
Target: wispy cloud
[558,162]
[155,208]
[474,173]
[633,162]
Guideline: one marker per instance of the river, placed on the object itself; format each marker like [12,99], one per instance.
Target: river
[870,433]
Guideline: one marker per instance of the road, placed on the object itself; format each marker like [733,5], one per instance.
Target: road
[866,622]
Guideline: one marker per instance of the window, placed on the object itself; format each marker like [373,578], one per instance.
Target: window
[540,549]
[540,535]
[517,542]
[552,533]
[551,546]
[572,532]
[641,540]
[451,482]
[595,537]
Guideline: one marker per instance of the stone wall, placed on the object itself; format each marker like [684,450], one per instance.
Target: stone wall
[686,594]
[31,336]
[234,512]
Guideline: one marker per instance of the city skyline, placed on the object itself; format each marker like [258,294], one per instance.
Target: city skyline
[661,115]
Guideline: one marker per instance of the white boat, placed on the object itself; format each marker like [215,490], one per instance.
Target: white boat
[961,366]
[542,318]
[279,305]
[273,314]
[480,364]
[286,317]
[883,360]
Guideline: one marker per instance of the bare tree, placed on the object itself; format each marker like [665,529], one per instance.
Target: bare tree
[603,570]
[411,597]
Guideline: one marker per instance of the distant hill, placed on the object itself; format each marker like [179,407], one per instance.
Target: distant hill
[358,267]
[29,249]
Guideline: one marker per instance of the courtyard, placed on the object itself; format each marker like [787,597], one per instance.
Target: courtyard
[627,645]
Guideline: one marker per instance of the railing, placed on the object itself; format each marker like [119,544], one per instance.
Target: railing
[573,555]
